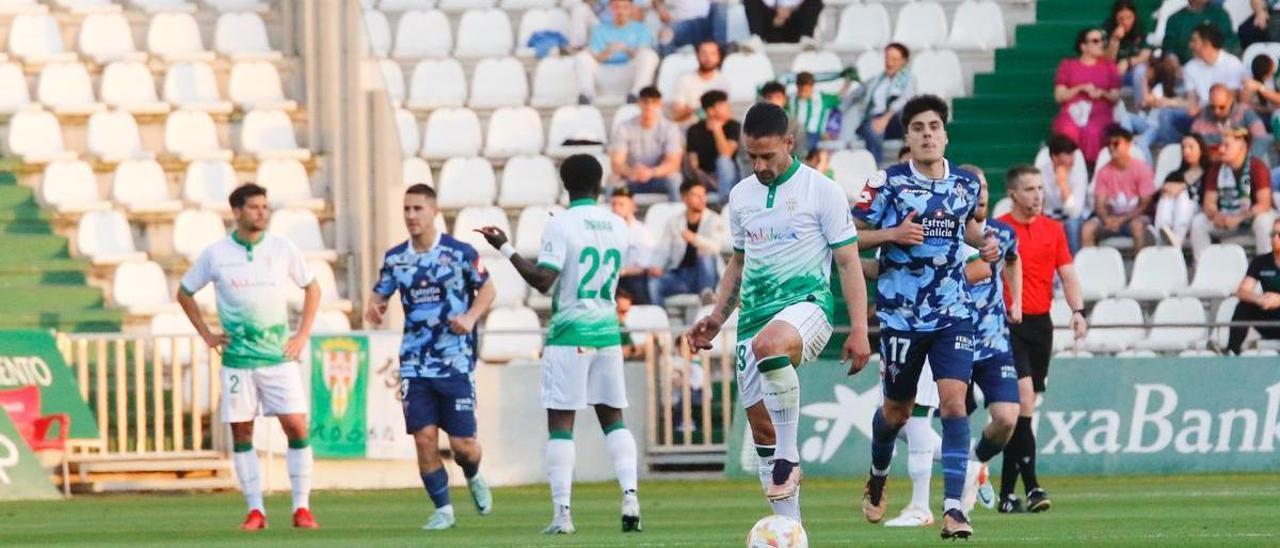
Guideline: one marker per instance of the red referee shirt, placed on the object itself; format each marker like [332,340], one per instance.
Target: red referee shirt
[1042,244]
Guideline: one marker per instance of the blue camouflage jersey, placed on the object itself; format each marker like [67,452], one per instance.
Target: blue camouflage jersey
[921,288]
[434,286]
[990,320]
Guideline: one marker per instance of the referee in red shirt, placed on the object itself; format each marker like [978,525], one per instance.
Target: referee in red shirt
[1042,244]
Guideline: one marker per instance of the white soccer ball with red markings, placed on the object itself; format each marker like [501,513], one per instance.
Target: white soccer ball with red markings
[777,532]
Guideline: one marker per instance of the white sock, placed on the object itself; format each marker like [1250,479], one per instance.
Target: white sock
[935,443]
[622,449]
[789,507]
[919,459]
[560,457]
[446,509]
[299,461]
[782,398]
[246,464]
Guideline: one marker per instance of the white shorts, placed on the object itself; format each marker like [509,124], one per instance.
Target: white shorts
[574,377]
[809,319]
[274,389]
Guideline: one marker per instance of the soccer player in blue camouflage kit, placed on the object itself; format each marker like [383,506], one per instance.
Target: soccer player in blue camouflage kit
[444,291]
[923,212]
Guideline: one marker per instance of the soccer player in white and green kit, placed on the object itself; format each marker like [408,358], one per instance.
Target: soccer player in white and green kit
[250,271]
[788,223]
[581,256]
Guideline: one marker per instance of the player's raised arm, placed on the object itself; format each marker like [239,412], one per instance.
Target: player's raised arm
[539,276]
[707,327]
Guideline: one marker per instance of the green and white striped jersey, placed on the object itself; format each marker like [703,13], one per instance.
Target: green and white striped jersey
[586,245]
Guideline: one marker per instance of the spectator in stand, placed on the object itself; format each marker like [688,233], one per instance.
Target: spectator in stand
[812,110]
[1167,90]
[636,275]
[712,146]
[873,108]
[690,245]
[1179,27]
[1261,27]
[1223,112]
[1123,193]
[1127,46]
[820,160]
[1087,89]
[691,22]
[621,46]
[646,150]
[774,92]
[1066,183]
[691,86]
[1259,91]
[1179,200]
[782,20]
[1258,306]
[1210,66]
[630,350]
[585,14]
[1237,196]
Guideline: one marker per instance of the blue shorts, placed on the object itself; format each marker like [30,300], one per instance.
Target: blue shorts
[446,402]
[950,353]
[998,379]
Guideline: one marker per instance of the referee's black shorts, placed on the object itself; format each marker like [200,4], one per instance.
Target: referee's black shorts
[1032,348]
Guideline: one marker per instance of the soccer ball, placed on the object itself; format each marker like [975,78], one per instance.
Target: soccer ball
[777,532]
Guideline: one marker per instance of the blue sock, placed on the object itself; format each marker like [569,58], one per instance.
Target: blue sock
[437,484]
[883,437]
[955,455]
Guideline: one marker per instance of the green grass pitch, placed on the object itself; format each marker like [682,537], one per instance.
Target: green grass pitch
[1193,510]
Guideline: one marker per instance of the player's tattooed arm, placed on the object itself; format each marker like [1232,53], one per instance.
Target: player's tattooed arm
[730,287]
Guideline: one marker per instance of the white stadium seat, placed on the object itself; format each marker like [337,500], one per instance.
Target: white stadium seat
[393,79]
[644,320]
[331,322]
[191,135]
[511,333]
[437,83]
[302,228]
[65,88]
[423,34]
[378,31]
[511,288]
[36,39]
[852,168]
[1158,272]
[106,37]
[463,5]
[536,20]
[1226,309]
[1176,310]
[410,134]
[869,64]
[1107,312]
[862,27]
[288,185]
[208,183]
[656,217]
[746,73]
[1218,272]
[36,137]
[140,186]
[243,36]
[1060,313]
[113,137]
[1105,271]
[529,227]
[451,132]
[672,68]
[1167,161]
[330,297]
[978,25]
[175,36]
[466,182]
[528,181]
[256,85]
[14,94]
[938,72]
[416,170]
[921,25]
[622,114]
[269,134]
[499,83]
[129,85]
[403,5]
[69,187]
[471,218]
[162,6]
[170,324]
[194,230]
[1270,49]
[140,288]
[104,237]
[514,131]
[239,5]
[555,82]
[579,123]
[1238,10]
[18,7]
[192,85]
[527,4]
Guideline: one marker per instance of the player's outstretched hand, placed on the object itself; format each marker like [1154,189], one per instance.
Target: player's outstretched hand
[857,351]
[703,332]
[1079,325]
[909,232]
[494,235]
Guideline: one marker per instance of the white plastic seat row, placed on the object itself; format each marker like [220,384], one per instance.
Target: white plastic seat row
[330,297]
[106,239]
[511,333]
[302,227]
[1160,272]
[470,182]
[426,33]
[921,25]
[141,289]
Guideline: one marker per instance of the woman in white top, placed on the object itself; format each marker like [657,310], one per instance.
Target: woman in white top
[1181,192]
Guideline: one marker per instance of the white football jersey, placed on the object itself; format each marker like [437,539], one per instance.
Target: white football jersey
[587,245]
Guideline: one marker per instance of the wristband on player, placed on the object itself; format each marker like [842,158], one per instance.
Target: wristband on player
[1080,312]
[507,250]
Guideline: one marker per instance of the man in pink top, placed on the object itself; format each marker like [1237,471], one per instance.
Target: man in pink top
[1124,191]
